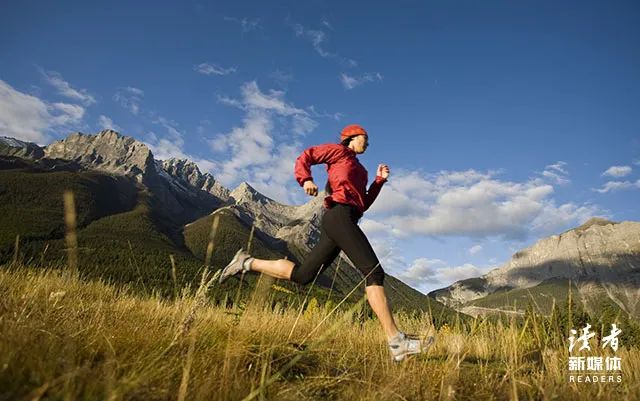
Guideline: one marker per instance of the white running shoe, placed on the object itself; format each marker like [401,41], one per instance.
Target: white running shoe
[402,345]
[236,265]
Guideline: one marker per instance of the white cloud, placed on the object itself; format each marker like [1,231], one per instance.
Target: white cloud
[281,78]
[262,150]
[171,145]
[473,204]
[249,144]
[422,271]
[613,186]
[425,272]
[213,69]
[134,91]
[68,114]
[129,97]
[372,227]
[230,102]
[277,180]
[65,89]
[219,143]
[617,171]
[350,82]
[391,256]
[105,122]
[475,249]
[255,99]
[246,24]
[318,39]
[29,118]
[203,126]
[557,173]
[451,274]
[302,124]
[337,116]
[554,219]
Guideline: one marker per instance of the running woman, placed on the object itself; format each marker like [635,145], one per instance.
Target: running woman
[347,201]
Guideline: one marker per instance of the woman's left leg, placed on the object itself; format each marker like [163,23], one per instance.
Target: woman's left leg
[342,228]
[378,301]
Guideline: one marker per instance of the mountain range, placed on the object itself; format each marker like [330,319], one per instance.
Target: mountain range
[597,262]
[140,217]
[135,213]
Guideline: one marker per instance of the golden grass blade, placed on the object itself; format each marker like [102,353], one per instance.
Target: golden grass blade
[71,237]
[212,237]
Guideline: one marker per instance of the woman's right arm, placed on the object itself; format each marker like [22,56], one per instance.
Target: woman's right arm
[327,154]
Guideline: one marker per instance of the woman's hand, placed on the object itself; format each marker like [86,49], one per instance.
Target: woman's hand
[310,188]
[383,171]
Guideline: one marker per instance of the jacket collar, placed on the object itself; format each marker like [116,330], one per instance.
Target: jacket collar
[350,151]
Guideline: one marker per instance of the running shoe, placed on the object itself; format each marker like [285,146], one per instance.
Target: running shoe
[402,345]
[235,266]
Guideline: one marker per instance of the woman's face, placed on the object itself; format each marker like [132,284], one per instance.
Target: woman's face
[359,143]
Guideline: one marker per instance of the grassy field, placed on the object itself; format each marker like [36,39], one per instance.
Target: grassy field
[65,335]
[64,338]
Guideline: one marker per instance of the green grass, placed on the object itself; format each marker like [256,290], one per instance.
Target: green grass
[31,202]
[556,294]
[542,296]
[232,235]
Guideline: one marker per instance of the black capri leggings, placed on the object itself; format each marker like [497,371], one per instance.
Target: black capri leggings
[339,231]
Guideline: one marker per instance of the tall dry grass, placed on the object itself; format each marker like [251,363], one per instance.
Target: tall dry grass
[62,338]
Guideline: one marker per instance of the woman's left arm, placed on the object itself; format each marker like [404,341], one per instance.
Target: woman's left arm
[381,177]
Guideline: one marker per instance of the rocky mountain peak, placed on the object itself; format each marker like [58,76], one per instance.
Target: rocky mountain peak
[598,250]
[108,151]
[188,171]
[185,170]
[245,193]
[296,224]
[594,221]
[17,148]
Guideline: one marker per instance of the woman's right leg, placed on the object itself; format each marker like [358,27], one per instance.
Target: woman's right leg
[280,268]
[316,261]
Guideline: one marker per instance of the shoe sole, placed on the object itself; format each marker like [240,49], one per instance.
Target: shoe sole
[223,276]
[428,342]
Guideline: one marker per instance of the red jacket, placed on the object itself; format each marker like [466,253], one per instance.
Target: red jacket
[347,177]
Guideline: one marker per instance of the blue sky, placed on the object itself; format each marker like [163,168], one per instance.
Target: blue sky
[502,122]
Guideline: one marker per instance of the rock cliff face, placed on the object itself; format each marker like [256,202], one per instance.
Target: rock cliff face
[16,148]
[107,151]
[599,251]
[297,224]
[178,186]
[189,173]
